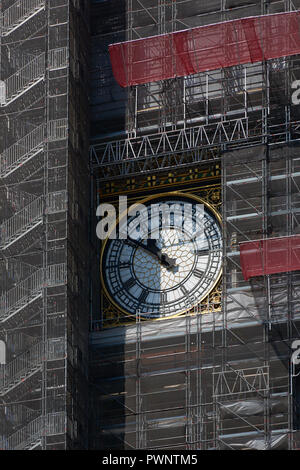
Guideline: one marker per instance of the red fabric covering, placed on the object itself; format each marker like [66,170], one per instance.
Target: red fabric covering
[271,256]
[206,48]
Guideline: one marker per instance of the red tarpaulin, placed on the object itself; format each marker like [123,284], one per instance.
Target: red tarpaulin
[206,48]
[271,256]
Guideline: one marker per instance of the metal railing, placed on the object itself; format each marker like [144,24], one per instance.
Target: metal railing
[19,414]
[58,58]
[22,149]
[24,436]
[31,287]
[30,215]
[23,365]
[25,77]
[55,423]
[17,270]
[28,145]
[57,129]
[20,11]
[56,274]
[21,221]
[18,199]
[56,348]
[57,201]
[19,295]
[51,424]
[29,361]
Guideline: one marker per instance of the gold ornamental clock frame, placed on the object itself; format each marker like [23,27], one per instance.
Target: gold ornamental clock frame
[201,187]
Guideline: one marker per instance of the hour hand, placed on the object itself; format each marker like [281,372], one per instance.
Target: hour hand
[163,257]
[170,262]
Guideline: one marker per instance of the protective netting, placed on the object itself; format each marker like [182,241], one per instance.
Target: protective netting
[271,256]
[206,48]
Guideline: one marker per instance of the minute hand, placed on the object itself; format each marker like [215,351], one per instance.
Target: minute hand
[153,249]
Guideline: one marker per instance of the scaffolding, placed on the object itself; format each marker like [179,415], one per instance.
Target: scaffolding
[217,46]
[38,57]
[210,379]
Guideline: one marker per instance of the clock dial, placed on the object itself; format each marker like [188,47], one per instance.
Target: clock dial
[171,272]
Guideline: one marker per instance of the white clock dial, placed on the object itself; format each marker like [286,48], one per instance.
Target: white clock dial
[173,272]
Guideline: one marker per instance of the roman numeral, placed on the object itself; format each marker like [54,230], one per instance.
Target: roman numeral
[118,265]
[184,290]
[163,298]
[202,252]
[198,273]
[142,298]
[129,283]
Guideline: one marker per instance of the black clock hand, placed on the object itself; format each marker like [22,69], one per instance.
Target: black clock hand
[147,248]
[169,262]
[153,249]
[163,257]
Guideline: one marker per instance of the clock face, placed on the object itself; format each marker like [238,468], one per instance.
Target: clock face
[172,271]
